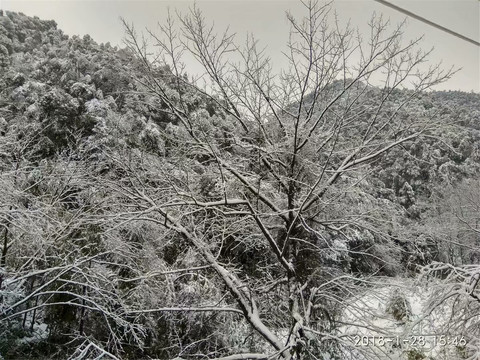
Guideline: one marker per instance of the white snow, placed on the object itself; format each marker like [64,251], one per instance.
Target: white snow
[367,316]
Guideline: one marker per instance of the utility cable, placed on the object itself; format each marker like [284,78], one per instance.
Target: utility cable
[431,23]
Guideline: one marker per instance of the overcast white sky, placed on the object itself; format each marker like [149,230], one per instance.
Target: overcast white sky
[266,19]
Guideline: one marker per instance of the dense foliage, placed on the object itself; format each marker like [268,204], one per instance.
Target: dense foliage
[144,217]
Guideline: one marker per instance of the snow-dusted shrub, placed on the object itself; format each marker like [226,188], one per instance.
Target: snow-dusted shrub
[4,58]
[151,138]
[96,107]
[398,306]
[82,90]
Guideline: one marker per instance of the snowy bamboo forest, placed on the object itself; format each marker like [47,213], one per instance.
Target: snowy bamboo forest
[329,210]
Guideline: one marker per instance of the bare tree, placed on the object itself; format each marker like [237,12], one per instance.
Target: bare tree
[281,152]
[454,282]
[55,259]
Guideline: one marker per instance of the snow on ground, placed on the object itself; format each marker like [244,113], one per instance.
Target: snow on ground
[390,321]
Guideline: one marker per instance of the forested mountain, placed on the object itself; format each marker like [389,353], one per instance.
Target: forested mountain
[145,216]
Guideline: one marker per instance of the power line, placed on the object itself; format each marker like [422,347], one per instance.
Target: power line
[431,23]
